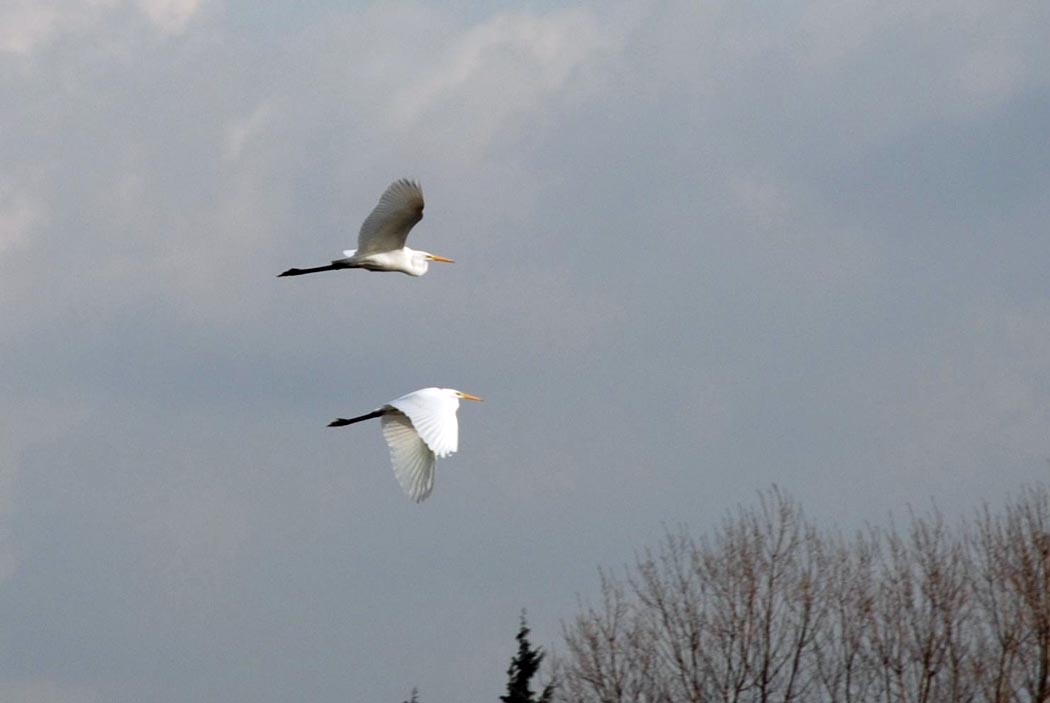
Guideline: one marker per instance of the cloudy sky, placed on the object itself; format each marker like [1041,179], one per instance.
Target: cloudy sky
[701,248]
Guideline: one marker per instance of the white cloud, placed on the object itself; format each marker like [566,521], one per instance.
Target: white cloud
[169,16]
[499,70]
[242,131]
[27,25]
[20,215]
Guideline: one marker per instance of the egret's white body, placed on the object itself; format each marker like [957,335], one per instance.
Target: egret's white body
[418,428]
[381,241]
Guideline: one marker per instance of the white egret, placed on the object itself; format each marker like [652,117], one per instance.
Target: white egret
[381,241]
[418,428]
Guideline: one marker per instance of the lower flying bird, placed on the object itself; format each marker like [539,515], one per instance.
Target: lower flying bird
[381,241]
[418,427]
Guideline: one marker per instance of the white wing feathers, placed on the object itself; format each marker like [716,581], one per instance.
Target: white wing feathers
[418,428]
[387,227]
[433,414]
[412,459]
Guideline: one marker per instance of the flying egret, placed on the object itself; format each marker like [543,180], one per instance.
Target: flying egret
[418,427]
[381,241]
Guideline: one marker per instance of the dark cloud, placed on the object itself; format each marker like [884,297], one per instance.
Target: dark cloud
[699,250]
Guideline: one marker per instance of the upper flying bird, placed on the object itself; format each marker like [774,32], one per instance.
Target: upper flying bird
[381,241]
[418,427]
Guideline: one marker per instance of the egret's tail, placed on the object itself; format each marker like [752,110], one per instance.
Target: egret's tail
[300,272]
[343,422]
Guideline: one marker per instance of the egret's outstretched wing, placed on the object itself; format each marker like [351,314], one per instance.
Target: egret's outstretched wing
[412,459]
[433,414]
[398,211]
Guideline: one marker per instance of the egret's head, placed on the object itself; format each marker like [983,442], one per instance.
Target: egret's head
[466,396]
[420,261]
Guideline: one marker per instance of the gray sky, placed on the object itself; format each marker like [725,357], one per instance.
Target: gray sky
[701,248]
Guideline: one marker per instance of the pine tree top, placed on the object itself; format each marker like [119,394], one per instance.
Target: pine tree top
[523,667]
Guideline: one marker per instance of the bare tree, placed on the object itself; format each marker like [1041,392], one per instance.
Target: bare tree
[767,608]
[730,618]
[916,623]
[842,646]
[1011,582]
[610,653]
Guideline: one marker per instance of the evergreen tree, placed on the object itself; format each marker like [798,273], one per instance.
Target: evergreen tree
[415,696]
[522,668]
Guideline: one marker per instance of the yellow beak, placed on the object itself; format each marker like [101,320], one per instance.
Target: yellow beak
[435,257]
[468,396]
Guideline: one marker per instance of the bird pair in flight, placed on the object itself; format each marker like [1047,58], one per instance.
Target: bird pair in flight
[421,426]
